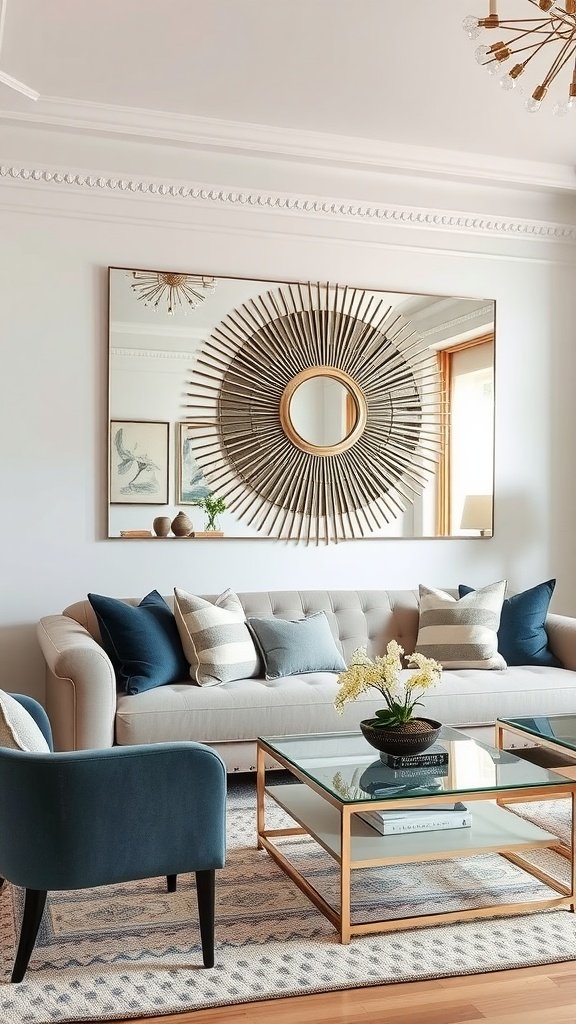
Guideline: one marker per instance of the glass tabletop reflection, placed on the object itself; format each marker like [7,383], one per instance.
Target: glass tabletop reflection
[347,767]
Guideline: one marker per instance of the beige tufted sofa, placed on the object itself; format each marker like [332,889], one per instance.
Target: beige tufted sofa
[86,711]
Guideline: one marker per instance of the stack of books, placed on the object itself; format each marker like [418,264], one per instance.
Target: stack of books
[423,819]
[412,774]
[434,757]
[398,773]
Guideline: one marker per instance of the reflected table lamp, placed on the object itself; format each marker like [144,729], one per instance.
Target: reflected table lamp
[477,514]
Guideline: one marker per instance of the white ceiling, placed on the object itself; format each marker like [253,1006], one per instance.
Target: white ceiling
[390,71]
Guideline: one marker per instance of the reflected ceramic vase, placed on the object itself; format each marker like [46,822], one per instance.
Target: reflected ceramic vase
[182,526]
[401,739]
[161,526]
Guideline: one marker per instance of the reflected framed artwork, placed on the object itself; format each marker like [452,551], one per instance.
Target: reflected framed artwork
[191,485]
[139,462]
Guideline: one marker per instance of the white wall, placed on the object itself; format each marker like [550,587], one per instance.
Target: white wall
[57,242]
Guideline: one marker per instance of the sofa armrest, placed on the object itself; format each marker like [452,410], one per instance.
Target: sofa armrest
[561,630]
[80,685]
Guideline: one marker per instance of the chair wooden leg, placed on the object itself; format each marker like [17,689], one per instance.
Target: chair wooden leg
[171,883]
[33,910]
[205,891]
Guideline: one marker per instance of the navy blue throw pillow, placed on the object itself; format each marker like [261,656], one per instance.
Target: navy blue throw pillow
[522,637]
[142,642]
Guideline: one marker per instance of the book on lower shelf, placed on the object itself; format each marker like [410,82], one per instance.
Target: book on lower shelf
[424,819]
[432,756]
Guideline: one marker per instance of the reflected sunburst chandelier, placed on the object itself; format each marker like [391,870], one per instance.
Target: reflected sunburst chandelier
[178,291]
[547,36]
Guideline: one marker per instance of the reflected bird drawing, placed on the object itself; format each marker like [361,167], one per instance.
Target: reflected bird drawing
[131,459]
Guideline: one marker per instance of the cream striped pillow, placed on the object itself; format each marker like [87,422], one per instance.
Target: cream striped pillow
[215,638]
[461,633]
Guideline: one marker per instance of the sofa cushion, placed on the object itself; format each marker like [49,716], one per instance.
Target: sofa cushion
[461,633]
[522,636]
[291,647]
[18,730]
[215,638]
[142,642]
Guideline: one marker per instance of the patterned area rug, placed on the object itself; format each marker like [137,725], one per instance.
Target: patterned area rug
[133,950]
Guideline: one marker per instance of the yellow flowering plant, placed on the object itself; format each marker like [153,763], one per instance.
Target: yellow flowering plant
[384,674]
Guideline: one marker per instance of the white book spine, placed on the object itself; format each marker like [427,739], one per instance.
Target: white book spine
[401,826]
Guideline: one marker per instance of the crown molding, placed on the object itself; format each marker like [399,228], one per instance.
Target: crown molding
[159,127]
[292,204]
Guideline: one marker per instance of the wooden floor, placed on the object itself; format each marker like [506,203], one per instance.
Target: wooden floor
[533,995]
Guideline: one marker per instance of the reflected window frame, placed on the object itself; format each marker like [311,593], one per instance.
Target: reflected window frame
[444,525]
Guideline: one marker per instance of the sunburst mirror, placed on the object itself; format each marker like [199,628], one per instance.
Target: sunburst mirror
[318,412]
[322,409]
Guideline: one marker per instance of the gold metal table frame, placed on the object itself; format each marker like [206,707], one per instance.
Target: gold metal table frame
[341,919]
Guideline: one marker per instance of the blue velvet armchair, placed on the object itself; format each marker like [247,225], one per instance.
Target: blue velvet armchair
[96,817]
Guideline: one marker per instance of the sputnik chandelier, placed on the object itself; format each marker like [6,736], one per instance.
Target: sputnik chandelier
[177,291]
[546,36]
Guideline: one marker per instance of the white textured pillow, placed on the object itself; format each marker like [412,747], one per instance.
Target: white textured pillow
[215,638]
[461,633]
[18,730]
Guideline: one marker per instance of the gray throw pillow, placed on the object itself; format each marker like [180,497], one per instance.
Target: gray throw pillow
[291,647]
[18,730]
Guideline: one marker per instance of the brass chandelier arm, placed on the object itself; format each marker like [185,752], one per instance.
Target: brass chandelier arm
[567,52]
[535,47]
[561,13]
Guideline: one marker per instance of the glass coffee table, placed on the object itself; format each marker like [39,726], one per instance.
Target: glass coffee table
[556,733]
[337,776]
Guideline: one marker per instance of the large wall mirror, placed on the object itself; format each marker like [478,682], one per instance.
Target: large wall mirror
[313,411]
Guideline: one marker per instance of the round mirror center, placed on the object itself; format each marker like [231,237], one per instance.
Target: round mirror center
[322,411]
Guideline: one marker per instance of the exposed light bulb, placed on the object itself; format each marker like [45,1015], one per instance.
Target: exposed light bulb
[471,26]
[481,53]
[508,83]
[561,109]
[495,67]
[532,105]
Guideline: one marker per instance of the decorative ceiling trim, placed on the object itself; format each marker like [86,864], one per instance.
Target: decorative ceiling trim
[150,353]
[293,203]
[159,127]
[477,314]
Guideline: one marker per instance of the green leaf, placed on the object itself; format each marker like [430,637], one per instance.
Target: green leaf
[385,719]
